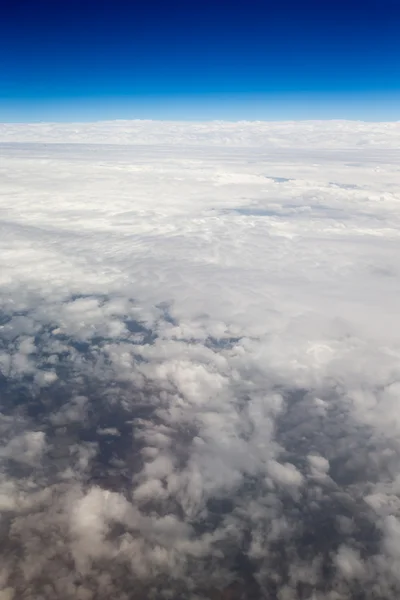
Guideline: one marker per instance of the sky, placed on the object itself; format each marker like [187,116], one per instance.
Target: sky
[199,332]
[199,60]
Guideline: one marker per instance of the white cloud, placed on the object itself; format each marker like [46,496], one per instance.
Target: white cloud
[199,355]
[25,448]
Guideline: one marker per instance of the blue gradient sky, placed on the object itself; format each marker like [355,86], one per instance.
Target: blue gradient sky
[211,59]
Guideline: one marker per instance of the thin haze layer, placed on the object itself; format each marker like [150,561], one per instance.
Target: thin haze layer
[199,354]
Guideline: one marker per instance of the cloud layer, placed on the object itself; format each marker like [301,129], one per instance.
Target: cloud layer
[199,358]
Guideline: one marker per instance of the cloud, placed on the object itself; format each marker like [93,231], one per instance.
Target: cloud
[158,135]
[199,361]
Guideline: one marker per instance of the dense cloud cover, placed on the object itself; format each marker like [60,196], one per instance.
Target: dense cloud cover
[199,357]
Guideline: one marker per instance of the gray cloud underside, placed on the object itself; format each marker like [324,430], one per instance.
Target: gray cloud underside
[199,361]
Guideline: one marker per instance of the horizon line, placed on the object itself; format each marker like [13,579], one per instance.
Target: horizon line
[195,121]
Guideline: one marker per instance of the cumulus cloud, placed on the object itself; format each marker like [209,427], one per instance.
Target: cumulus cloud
[199,361]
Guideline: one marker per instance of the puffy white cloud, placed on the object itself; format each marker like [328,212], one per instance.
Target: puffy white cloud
[199,346]
[27,447]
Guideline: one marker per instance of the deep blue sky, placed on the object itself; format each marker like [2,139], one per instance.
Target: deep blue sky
[199,59]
